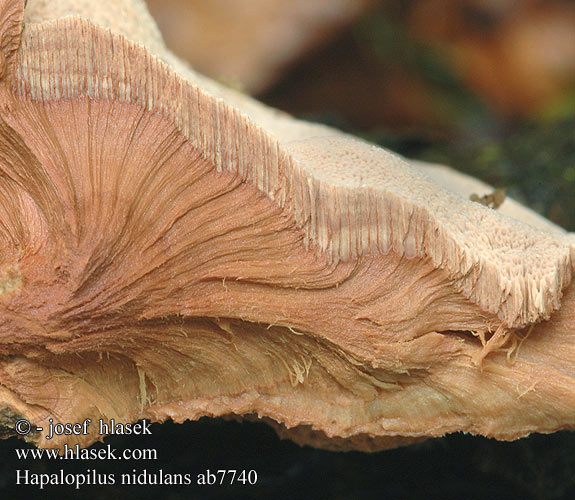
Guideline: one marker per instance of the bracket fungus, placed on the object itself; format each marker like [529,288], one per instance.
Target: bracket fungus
[170,248]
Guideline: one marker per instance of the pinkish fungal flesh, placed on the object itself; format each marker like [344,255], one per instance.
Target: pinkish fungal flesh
[172,249]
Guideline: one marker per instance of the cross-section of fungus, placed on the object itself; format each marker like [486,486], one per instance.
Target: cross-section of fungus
[172,249]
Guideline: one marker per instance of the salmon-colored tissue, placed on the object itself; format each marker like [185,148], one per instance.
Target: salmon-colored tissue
[171,249]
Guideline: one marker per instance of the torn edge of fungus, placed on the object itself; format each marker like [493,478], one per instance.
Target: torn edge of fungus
[298,372]
[497,342]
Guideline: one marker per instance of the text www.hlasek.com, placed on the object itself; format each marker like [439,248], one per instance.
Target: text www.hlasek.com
[77,453]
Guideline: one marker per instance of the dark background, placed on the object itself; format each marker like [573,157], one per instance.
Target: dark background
[456,467]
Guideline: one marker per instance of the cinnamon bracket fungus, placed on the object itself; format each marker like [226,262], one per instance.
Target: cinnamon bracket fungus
[170,248]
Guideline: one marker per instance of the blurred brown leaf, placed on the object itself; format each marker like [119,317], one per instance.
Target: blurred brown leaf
[247,43]
[517,56]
